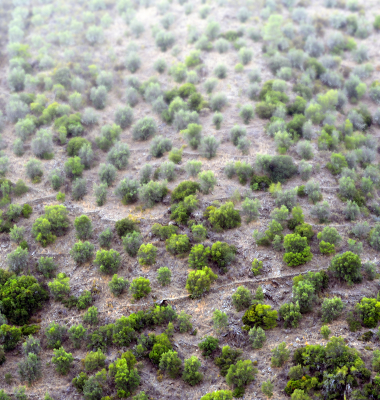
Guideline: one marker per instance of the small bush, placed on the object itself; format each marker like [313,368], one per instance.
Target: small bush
[117,285]
[108,261]
[347,267]
[321,211]
[46,266]
[207,181]
[218,101]
[242,298]
[79,188]
[144,128]
[98,97]
[140,287]
[280,355]
[62,360]
[199,282]
[164,276]
[124,117]
[208,346]
[82,252]
[159,146]
[331,309]
[107,173]
[91,316]
[132,242]
[83,227]
[291,315]
[127,190]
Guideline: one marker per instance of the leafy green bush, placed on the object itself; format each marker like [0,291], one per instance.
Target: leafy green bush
[207,181]
[147,254]
[164,276]
[280,355]
[347,267]
[223,254]
[108,261]
[21,296]
[91,316]
[199,282]
[17,260]
[331,309]
[29,369]
[132,242]
[76,335]
[199,232]
[368,311]
[152,192]
[209,146]
[291,315]
[224,217]
[178,244]
[184,189]
[54,334]
[140,287]
[82,251]
[297,252]
[240,375]
[46,266]
[374,237]
[257,337]
[191,375]
[170,363]
[259,315]
[10,336]
[279,168]
[199,256]
[242,298]
[62,360]
[257,266]
[208,345]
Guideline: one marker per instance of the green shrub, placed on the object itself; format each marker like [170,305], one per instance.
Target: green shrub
[94,360]
[152,192]
[75,144]
[34,170]
[54,334]
[19,189]
[330,235]
[74,167]
[178,244]
[304,294]
[209,146]
[30,369]
[108,261]
[297,252]
[347,267]
[259,315]
[374,237]
[291,315]
[257,266]
[325,332]
[208,345]
[147,254]
[224,217]
[218,395]
[125,226]
[331,309]
[280,355]
[223,254]
[20,296]
[91,316]
[242,298]
[10,336]
[207,181]
[199,256]
[76,335]
[164,276]
[184,189]
[83,227]
[132,242]
[140,287]
[190,374]
[279,168]
[257,337]
[199,282]
[60,286]
[17,260]
[164,231]
[199,232]
[240,375]
[46,266]
[368,311]
[62,360]
[117,285]
[109,135]
[326,248]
